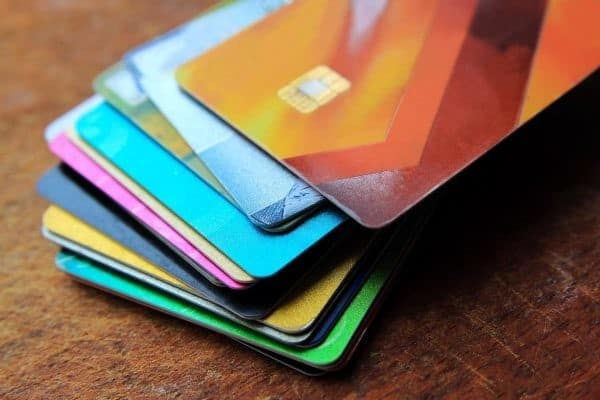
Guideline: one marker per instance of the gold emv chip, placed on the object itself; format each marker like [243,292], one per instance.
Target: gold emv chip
[314,89]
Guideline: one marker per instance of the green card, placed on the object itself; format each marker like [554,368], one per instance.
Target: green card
[120,89]
[331,354]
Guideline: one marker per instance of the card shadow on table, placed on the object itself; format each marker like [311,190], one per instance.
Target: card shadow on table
[489,217]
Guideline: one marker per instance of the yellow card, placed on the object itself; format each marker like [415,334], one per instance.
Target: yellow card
[294,315]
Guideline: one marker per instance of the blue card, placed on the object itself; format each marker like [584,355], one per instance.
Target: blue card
[266,191]
[66,189]
[259,253]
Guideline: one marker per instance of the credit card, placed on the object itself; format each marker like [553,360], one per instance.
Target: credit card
[333,262]
[173,290]
[306,313]
[311,284]
[118,86]
[331,354]
[210,261]
[267,192]
[374,104]
[60,223]
[262,254]
[229,267]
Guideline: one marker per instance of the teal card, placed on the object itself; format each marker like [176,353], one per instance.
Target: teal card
[258,253]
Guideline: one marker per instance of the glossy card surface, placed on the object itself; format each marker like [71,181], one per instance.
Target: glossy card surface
[266,191]
[118,86]
[210,260]
[226,273]
[170,182]
[198,241]
[377,103]
[330,354]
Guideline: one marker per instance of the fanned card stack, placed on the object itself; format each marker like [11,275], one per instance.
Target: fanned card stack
[256,170]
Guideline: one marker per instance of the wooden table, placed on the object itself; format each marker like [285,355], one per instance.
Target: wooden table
[502,299]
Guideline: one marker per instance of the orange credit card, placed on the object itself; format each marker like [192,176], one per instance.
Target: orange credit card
[378,102]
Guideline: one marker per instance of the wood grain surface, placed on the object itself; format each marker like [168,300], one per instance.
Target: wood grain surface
[501,299]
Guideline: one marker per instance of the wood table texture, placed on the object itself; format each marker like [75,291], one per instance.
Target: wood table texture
[500,299]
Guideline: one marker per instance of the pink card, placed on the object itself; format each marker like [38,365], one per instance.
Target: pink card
[89,169]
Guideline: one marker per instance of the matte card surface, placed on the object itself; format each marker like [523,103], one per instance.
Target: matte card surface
[67,231]
[262,255]
[307,296]
[377,103]
[61,223]
[93,208]
[81,199]
[171,289]
[266,191]
[300,316]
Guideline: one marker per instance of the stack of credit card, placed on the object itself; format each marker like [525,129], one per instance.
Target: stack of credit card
[252,170]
